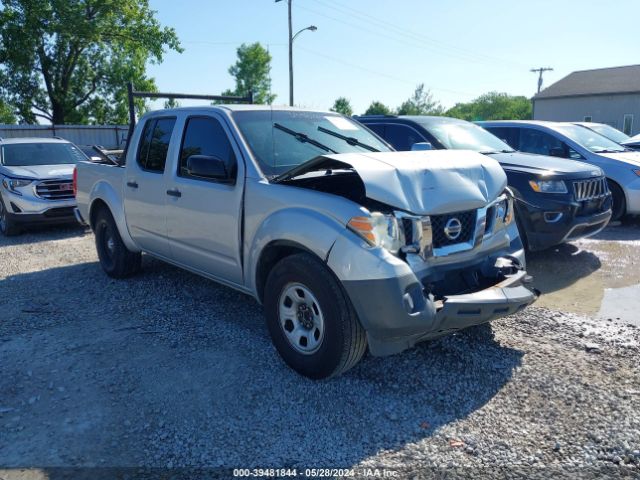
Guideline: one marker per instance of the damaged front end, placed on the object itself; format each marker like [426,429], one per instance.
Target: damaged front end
[413,276]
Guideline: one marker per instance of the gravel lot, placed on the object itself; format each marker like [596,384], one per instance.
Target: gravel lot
[171,370]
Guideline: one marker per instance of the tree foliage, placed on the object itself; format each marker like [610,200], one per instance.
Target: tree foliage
[343,106]
[171,103]
[252,73]
[68,61]
[421,103]
[6,113]
[378,108]
[493,106]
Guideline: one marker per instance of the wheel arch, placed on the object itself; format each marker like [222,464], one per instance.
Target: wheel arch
[270,255]
[104,197]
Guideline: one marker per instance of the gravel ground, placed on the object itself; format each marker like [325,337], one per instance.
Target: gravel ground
[169,370]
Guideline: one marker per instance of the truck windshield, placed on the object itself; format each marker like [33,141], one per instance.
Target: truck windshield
[589,139]
[281,140]
[26,154]
[466,136]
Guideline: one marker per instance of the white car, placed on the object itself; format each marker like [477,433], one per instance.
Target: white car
[36,178]
[621,165]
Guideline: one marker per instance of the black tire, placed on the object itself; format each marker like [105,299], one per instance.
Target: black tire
[619,202]
[344,340]
[7,226]
[116,260]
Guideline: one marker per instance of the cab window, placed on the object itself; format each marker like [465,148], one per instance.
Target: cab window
[206,136]
[154,144]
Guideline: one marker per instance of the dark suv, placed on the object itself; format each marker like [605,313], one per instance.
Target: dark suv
[558,200]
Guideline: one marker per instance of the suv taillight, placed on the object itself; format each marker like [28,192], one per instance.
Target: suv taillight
[75,181]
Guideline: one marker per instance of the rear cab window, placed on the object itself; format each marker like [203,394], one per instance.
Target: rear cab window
[154,144]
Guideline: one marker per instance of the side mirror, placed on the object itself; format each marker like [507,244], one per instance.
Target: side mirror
[421,146]
[207,166]
[557,152]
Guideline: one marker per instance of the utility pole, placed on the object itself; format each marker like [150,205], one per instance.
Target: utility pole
[292,37]
[540,71]
[290,56]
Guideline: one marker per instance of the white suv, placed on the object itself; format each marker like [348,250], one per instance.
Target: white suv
[36,182]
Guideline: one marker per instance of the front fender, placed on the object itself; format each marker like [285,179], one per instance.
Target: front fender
[307,228]
[103,191]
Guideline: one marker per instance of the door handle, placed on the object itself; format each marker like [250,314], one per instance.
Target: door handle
[132,184]
[174,193]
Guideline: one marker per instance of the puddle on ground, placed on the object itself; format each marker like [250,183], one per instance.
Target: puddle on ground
[597,276]
[621,304]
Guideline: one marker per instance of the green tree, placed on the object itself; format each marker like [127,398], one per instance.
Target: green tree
[378,108]
[171,103]
[252,73]
[68,61]
[343,106]
[493,106]
[6,113]
[421,103]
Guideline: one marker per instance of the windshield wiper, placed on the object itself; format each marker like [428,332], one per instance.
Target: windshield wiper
[350,140]
[605,150]
[303,137]
[497,151]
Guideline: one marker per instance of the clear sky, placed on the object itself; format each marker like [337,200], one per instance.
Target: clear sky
[380,50]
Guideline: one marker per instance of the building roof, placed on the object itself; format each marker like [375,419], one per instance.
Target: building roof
[601,81]
[7,141]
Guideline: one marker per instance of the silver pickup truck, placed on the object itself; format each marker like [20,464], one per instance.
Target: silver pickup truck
[346,243]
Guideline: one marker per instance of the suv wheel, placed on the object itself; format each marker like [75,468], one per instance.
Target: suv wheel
[116,260]
[7,226]
[310,319]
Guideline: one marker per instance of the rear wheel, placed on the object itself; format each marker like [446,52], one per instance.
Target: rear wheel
[619,202]
[116,260]
[7,226]
[310,319]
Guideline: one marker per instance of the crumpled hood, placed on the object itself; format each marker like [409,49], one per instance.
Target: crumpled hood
[632,158]
[423,183]
[39,172]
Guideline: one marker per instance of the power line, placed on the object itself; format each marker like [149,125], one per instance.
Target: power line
[540,71]
[378,73]
[411,36]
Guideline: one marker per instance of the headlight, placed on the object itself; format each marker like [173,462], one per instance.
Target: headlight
[548,186]
[13,183]
[637,172]
[379,230]
[504,209]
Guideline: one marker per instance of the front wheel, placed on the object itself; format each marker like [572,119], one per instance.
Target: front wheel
[116,260]
[7,225]
[310,319]
[618,201]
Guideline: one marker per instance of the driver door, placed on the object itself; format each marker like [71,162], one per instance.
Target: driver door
[204,215]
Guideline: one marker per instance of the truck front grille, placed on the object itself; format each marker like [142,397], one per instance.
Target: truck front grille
[453,228]
[590,189]
[55,189]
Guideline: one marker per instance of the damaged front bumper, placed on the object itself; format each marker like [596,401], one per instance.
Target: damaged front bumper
[399,311]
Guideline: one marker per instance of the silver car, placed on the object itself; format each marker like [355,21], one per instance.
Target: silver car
[36,179]
[567,140]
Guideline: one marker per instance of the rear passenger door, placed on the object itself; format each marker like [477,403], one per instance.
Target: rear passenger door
[145,186]
[204,215]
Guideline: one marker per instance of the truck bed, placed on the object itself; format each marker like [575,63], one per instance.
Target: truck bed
[99,176]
